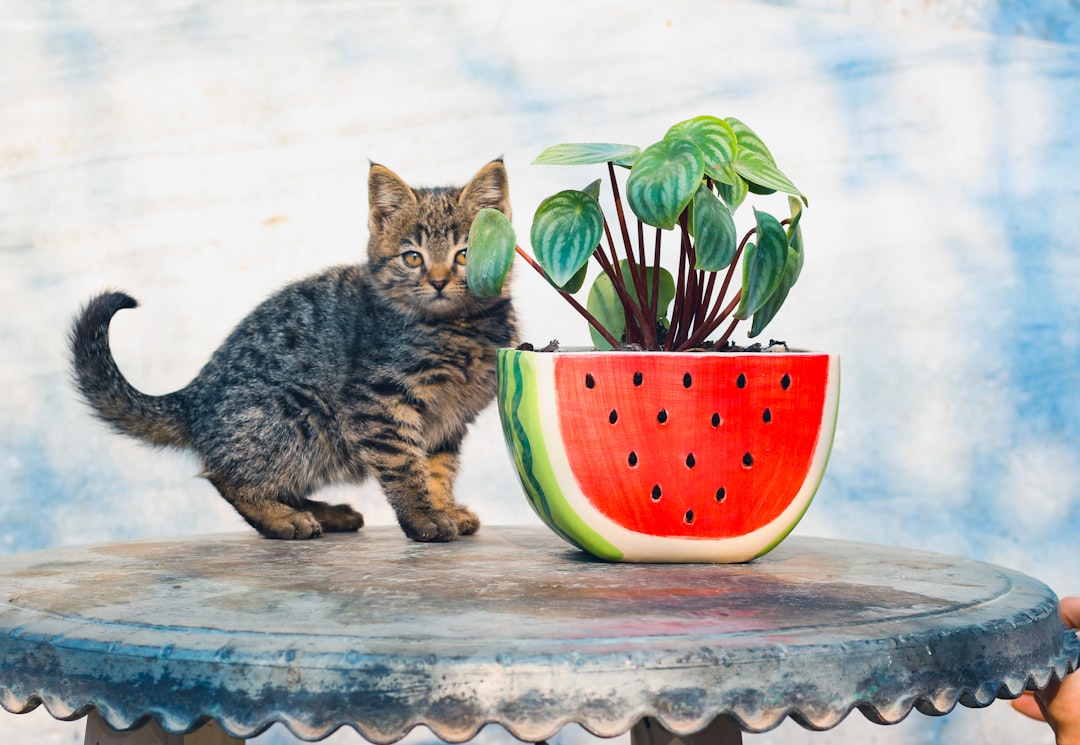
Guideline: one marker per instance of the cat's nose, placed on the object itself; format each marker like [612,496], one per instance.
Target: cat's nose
[438,284]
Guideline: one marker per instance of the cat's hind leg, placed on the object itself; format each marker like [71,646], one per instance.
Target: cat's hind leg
[271,517]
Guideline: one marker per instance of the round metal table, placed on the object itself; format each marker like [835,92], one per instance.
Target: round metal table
[511,626]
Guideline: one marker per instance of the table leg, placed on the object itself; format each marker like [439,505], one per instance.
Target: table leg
[722,731]
[99,733]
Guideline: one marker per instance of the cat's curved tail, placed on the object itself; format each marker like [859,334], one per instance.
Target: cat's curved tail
[159,420]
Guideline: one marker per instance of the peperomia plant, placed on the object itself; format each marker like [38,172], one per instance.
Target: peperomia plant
[686,186]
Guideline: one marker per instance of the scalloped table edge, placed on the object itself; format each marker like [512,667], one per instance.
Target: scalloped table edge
[646,727]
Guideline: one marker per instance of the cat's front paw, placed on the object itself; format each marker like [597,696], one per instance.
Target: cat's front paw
[432,527]
[296,526]
[466,520]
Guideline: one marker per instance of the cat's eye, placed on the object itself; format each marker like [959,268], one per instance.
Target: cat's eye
[459,258]
[412,259]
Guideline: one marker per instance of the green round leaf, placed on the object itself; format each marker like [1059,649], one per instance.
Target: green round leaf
[733,194]
[575,282]
[763,265]
[593,190]
[716,139]
[768,311]
[566,229]
[663,181]
[606,306]
[792,270]
[714,231]
[762,172]
[490,254]
[747,139]
[588,153]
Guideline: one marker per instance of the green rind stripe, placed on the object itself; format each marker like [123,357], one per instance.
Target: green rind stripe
[512,390]
[827,443]
[520,414]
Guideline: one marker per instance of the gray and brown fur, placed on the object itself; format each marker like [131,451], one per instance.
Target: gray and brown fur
[374,369]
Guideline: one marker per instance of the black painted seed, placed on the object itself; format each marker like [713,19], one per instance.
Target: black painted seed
[689,517]
[632,460]
[613,416]
[721,494]
[785,382]
[767,416]
[747,460]
[716,419]
[690,462]
[687,381]
[662,416]
[590,381]
[637,378]
[656,493]
[741,380]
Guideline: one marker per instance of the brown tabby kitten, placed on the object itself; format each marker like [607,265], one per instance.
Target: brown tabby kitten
[373,369]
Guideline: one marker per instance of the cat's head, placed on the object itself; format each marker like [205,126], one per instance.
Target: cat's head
[419,238]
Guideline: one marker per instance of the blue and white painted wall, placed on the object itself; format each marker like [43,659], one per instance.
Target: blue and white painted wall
[201,155]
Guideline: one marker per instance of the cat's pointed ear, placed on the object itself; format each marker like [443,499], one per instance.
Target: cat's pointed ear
[490,187]
[387,195]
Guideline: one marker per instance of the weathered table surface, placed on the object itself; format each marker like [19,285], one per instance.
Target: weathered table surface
[510,626]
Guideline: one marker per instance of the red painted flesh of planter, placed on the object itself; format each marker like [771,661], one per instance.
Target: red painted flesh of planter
[690,448]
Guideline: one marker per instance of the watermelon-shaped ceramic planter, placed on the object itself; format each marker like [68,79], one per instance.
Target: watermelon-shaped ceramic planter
[659,456]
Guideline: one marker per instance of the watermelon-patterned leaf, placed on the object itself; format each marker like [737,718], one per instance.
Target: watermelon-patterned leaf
[762,172]
[575,282]
[792,270]
[794,229]
[588,153]
[768,311]
[733,194]
[763,265]
[663,181]
[717,141]
[490,253]
[606,306]
[593,190]
[566,229]
[747,140]
[714,231]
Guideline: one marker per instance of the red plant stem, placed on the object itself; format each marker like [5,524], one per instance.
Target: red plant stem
[727,334]
[634,315]
[647,294]
[677,310]
[705,290]
[715,319]
[731,271]
[570,299]
[718,315]
[654,301]
[641,242]
[621,288]
[611,243]
[693,292]
[637,269]
[709,287]
[619,212]
[687,294]
[603,261]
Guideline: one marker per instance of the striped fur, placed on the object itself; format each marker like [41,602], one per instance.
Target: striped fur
[367,370]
